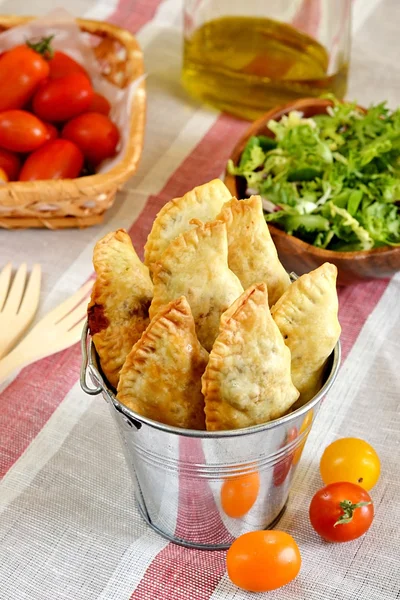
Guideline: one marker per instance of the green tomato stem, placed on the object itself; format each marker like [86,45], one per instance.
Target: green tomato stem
[42,47]
[348,511]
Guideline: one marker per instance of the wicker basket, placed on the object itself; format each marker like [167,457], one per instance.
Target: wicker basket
[83,201]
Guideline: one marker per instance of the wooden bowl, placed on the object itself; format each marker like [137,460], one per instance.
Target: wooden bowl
[296,255]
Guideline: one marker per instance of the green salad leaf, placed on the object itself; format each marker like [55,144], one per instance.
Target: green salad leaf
[333,179]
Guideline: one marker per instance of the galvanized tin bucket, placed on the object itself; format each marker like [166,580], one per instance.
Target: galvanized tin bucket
[179,474]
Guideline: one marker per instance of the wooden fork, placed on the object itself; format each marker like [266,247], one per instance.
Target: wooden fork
[18,304]
[59,329]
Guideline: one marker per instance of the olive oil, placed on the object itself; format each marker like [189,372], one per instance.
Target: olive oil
[246,65]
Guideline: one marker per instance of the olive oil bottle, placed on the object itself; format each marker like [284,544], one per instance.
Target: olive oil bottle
[246,65]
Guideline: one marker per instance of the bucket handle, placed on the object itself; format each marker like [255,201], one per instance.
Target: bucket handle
[92,391]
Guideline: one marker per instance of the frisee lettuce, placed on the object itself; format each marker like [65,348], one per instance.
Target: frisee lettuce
[333,179]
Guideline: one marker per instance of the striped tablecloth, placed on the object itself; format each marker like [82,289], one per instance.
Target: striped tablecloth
[68,526]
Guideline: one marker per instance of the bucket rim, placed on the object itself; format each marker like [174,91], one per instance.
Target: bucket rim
[92,365]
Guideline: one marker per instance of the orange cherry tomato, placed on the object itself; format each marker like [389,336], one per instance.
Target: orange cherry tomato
[94,134]
[58,159]
[100,104]
[350,459]
[239,494]
[21,70]
[3,176]
[341,512]
[304,429]
[10,163]
[282,468]
[64,98]
[21,131]
[62,64]
[261,561]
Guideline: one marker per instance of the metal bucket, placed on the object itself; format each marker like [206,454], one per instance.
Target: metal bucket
[180,476]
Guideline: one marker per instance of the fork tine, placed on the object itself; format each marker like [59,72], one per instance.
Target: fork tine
[16,291]
[73,317]
[68,338]
[65,307]
[5,277]
[76,332]
[30,300]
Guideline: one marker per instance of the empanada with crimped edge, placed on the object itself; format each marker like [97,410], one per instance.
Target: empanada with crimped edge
[247,380]
[161,377]
[252,255]
[121,296]
[195,265]
[307,317]
[202,203]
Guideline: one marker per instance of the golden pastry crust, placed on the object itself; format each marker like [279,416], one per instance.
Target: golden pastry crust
[247,380]
[202,203]
[252,255]
[161,377]
[195,265]
[307,317]
[121,296]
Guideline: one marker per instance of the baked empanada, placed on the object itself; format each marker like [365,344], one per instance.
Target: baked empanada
[307,317]
[247,380]
[121,296]
[202,203]
[161,377]
[195,265]
[252,254]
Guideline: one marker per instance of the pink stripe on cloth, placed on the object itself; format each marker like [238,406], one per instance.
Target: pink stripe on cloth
[178,573]
[133,15]
[29,401]
[308,17]
[356,302]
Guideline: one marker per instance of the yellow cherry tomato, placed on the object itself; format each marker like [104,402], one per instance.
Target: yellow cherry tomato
[350,459]
[239,494]
[261,561]
[304,429]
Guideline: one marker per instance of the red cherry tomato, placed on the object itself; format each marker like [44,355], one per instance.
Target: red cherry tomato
[10,163]
[64,98]
[52,131]
[94,134]
[282,468]
[61,64]
[100,104]
[261,561]
[21,70]
[58,159]
[341,511]
[21,131]
[239,494]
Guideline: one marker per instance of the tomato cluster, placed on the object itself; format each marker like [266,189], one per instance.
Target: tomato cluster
[53,125]
[342,511]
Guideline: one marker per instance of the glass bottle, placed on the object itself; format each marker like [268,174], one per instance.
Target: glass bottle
[247,56]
